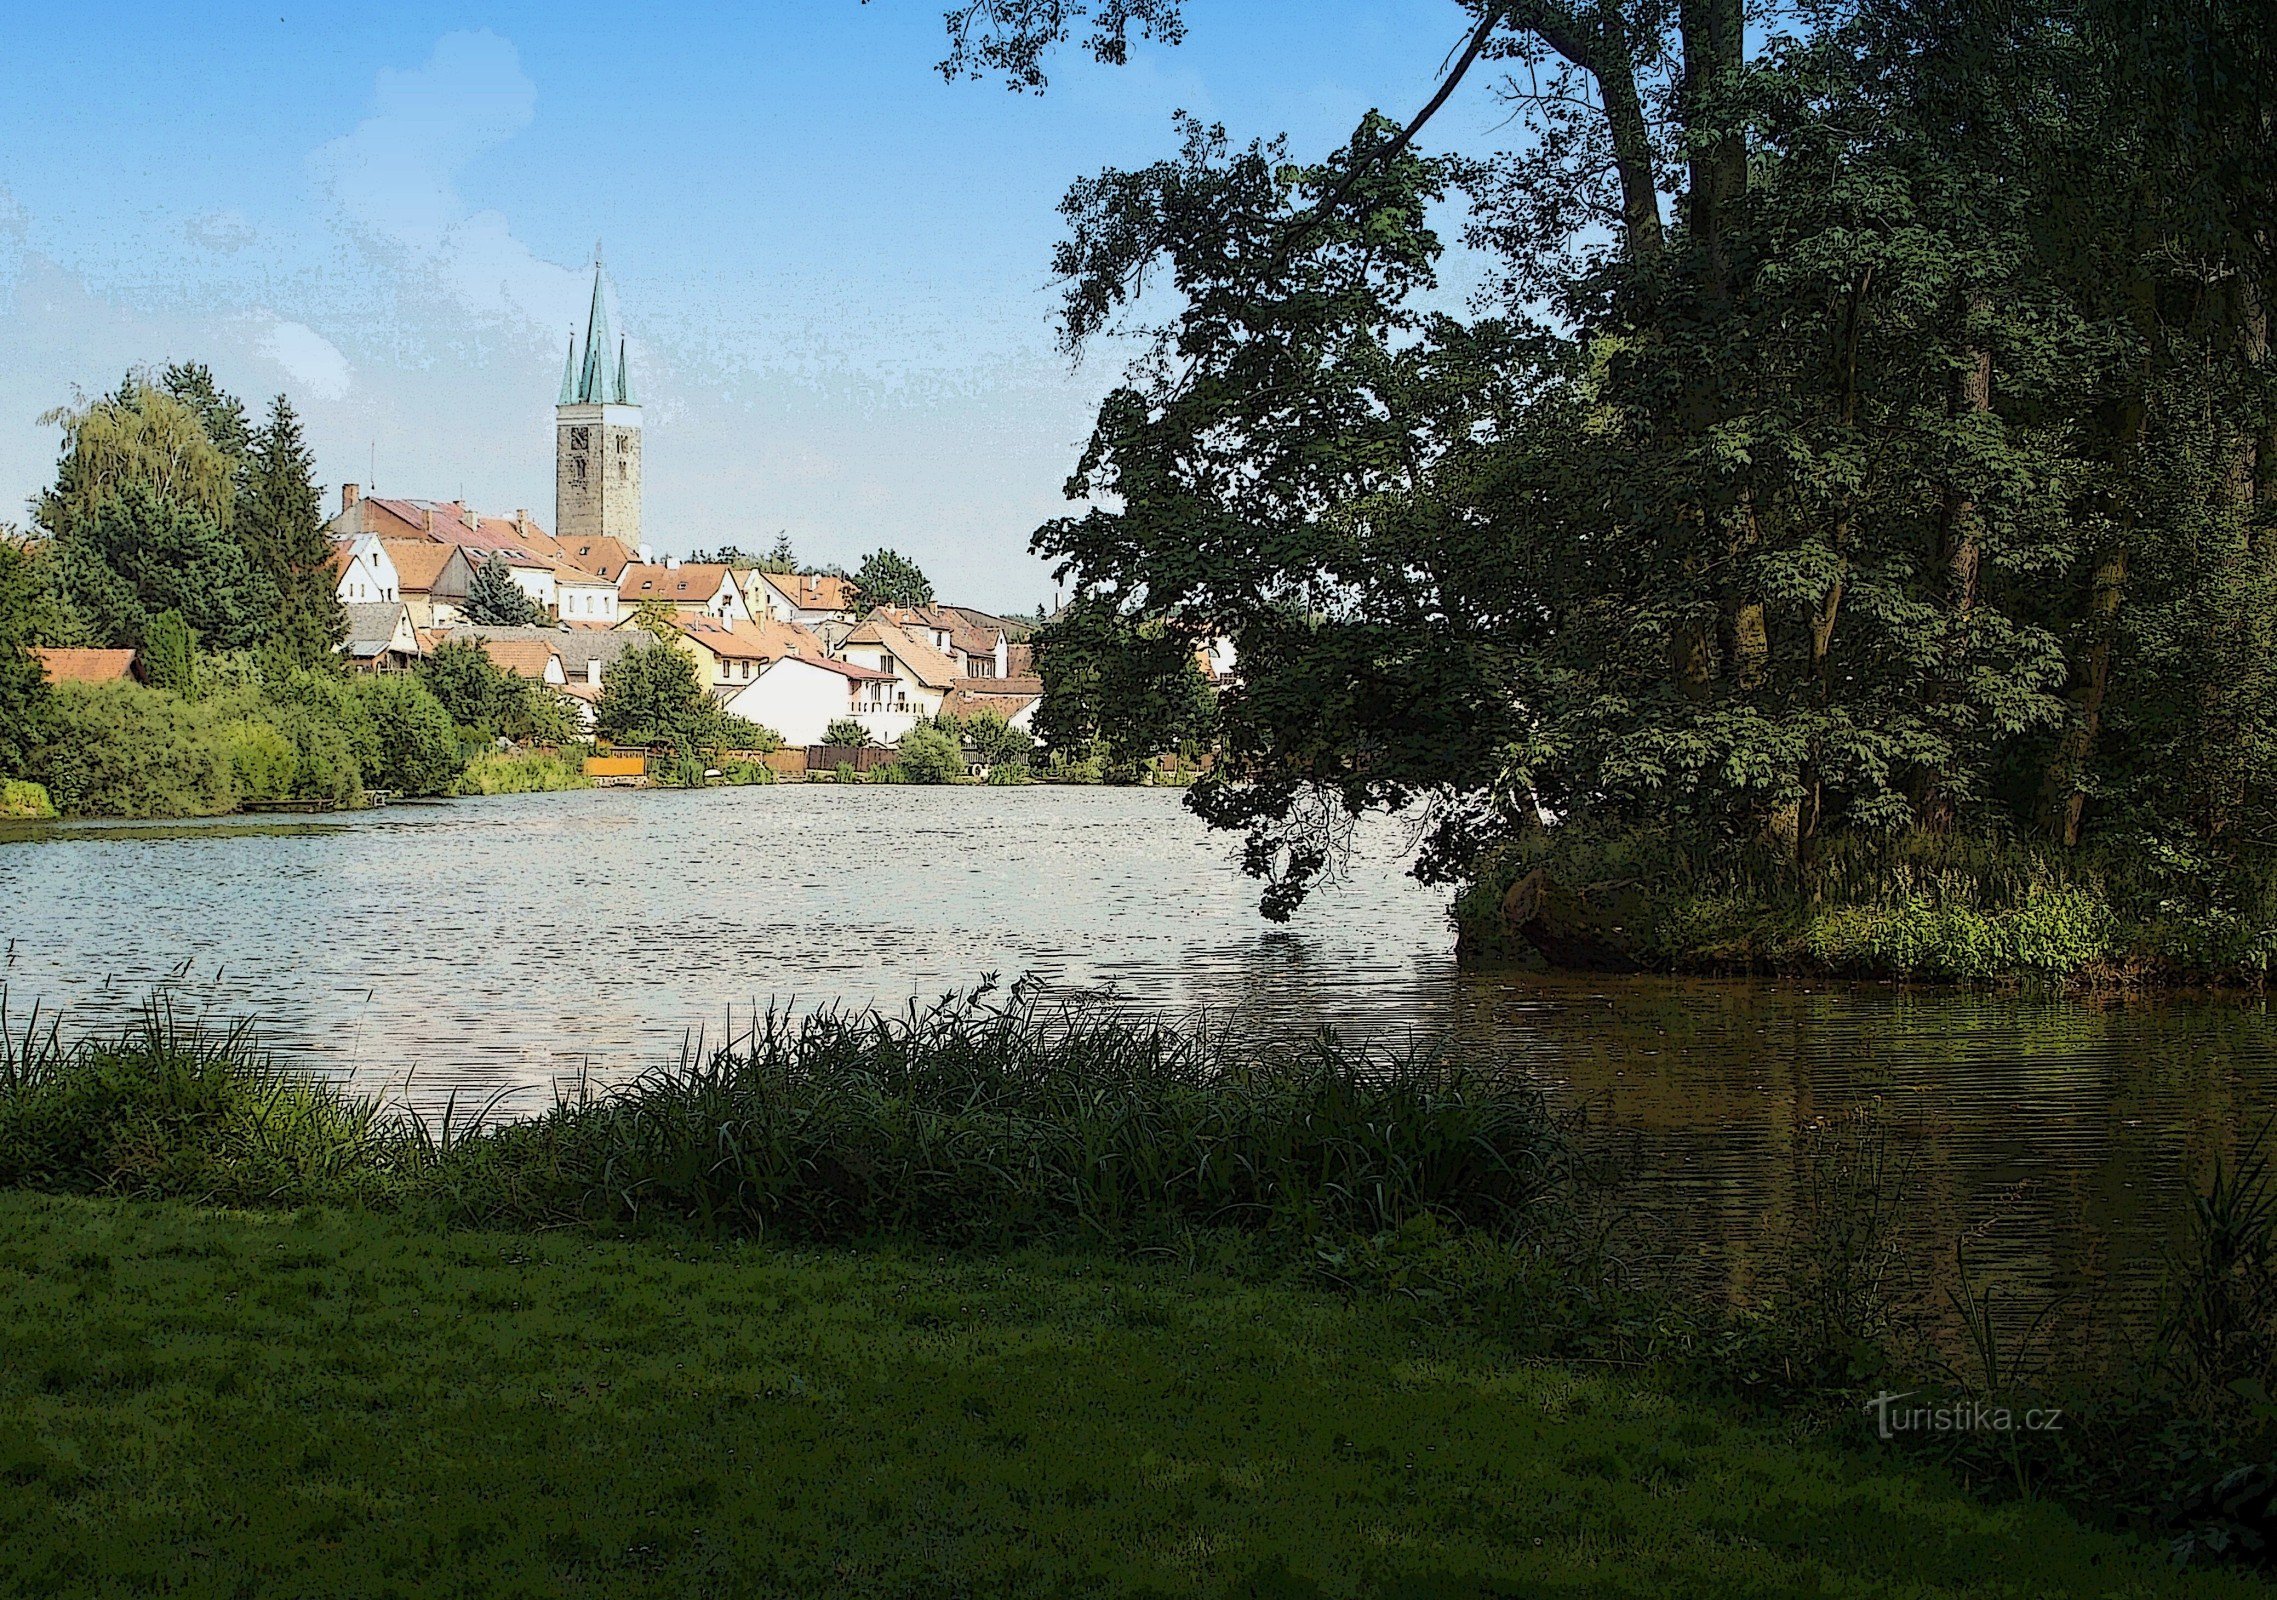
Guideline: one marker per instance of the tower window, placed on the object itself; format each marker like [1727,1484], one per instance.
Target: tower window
[581,438]
[622,472]
[577,468]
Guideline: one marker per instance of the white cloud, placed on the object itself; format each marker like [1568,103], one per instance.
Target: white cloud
[392,181]
[309,359]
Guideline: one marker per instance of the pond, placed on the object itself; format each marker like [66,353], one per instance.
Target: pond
[499,949]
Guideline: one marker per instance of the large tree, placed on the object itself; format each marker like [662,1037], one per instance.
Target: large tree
[889,578]
[280,522]
[1871,431]
[23,685]
[141,516]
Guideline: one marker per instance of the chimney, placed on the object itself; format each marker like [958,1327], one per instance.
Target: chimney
[521,520]
[474,521]
[593,672]
[350,493]
[426,519]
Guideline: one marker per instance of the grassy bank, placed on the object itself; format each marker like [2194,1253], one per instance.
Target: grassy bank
[1939,908]
[225,1403]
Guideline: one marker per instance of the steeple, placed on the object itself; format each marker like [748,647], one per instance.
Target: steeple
[595,386]
[597,431]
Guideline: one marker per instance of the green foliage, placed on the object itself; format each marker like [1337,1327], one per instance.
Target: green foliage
[416,747]
[24,693]
[524,772]
[170,654]
[489,702]
[280,521]
[847,731]
[137,554]
[995,741]
[888,578]
[1905,474]
[653,697]
[23,800]
[119,750]
[1133,688]
[928,755]
[494,599]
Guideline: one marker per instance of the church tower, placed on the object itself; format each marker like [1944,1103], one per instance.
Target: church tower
[596,440]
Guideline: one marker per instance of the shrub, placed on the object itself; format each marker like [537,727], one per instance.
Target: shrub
[929,755]
[846,731]
[120,750]
[22,800]
[415,747]
[524,772]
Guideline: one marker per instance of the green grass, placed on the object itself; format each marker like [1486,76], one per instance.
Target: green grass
[196,1402]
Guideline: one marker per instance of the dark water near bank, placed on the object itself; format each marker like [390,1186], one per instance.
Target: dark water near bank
[503,946]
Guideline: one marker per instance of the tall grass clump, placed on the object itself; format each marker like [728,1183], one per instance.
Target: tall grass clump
[170,1110]
[993,1117]
[987,1116]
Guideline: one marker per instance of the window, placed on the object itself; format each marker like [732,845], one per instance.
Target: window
[581,438]
[577,468]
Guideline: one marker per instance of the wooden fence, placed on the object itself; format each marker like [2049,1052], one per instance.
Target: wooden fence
[862,758]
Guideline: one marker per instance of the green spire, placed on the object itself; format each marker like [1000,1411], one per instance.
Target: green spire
[569,371]
[593,386]
[624,384]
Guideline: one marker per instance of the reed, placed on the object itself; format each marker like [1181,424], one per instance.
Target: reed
[987,1115]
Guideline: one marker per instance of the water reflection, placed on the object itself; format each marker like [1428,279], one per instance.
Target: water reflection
[498,947]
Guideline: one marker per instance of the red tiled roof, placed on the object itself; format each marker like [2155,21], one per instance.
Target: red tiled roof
[690,583]
[810,591]
[85,666]
[525,658]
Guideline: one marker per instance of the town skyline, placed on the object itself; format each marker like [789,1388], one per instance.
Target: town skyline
[840,304]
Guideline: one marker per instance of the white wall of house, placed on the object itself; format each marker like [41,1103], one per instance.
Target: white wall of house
[797,699]
[536,582]
[587,602]
[905,693]
[369,576]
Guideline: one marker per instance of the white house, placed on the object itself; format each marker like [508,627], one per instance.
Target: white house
[584,597]
[921,675]
[800,696]
[708,587]
[367,576]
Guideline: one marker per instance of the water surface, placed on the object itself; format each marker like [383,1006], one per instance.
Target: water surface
[501,947]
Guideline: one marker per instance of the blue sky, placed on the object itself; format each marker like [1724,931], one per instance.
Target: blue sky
[832,266]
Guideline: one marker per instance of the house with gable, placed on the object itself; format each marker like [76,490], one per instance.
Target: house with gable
[701,588]
[806,598]
[800,696]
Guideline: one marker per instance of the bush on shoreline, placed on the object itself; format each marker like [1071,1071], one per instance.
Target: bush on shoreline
[1936,908]
[524,772]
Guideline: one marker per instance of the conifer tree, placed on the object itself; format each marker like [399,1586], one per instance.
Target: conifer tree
[280,522]
[495,600]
